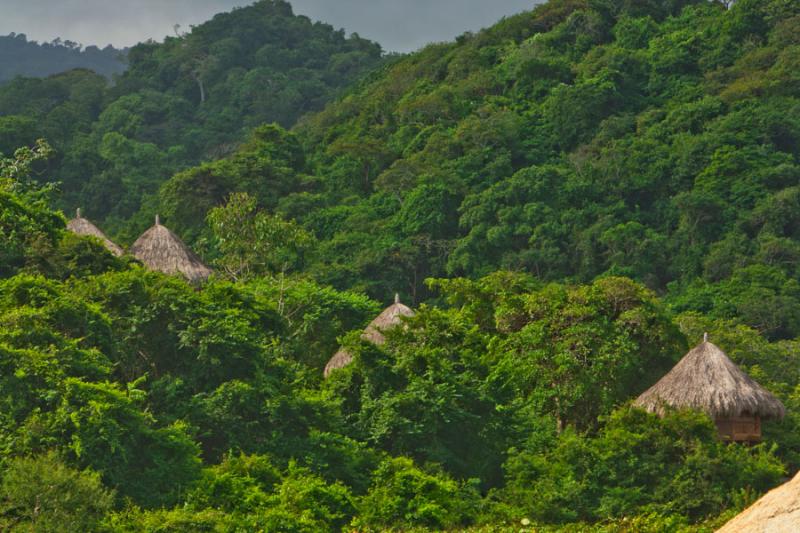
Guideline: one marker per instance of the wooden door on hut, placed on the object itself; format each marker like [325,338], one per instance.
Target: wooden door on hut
[743,428]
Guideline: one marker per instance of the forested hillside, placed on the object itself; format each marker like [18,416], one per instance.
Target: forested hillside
[186,100]
[569,200]
[652,140]
[21,57]
[132,401]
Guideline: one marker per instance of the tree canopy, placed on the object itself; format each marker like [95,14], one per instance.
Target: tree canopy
[569,200]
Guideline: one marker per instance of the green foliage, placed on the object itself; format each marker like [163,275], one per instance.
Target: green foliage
[315,315]
[761,296]
[43,494]
[586,188]
[578,353]
[424,396]
[77,256]
[109,432]
[252,243]
[179,520]
[671,466]
[237,485]
[28,228]
[305,502]
[267,167]
[403,496]
[255,495]
[459,386]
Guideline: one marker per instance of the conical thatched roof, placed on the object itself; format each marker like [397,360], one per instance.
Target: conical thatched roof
[160,249]
[777,512]
[81,226]
[707,380]
[389,318]
[340,359]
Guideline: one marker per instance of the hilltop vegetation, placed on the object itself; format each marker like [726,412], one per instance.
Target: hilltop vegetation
[186,100]
[21,57]
[652,140]
[571,198]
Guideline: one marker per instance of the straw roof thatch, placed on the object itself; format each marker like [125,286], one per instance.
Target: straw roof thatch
[81,226]
[707,380]
[389,318]
[778,511]
[160,249]
[340,359]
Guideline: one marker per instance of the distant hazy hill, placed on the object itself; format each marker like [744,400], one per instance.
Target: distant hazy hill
[21,57]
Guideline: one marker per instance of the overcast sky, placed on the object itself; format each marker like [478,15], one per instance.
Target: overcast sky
[399,25]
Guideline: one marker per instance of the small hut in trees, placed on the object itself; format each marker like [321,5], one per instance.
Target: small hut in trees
[81,226]
[160,249]
[389,318]
[340,359]
[777,511]
[707,380]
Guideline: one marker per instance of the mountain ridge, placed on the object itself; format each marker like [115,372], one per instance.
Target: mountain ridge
[21,57]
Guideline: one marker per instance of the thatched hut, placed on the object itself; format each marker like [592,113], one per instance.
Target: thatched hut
[778,511]
[389,318]
[160,249]
[707,380]
[340,359]
[81,226]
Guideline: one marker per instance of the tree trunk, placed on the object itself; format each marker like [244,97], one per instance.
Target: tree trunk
[202,87]
[202,90]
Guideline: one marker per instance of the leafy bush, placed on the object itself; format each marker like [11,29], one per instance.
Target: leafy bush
[638,462]
[41,493]
[403,496]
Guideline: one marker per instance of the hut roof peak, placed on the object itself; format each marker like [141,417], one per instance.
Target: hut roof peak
[390,317]
[81,226]
[160,249]
[706,379]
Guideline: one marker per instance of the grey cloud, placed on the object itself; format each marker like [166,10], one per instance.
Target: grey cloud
[101,22]
[399,25]
[405,25]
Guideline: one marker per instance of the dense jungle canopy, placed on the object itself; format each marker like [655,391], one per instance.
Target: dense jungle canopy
[568,199]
